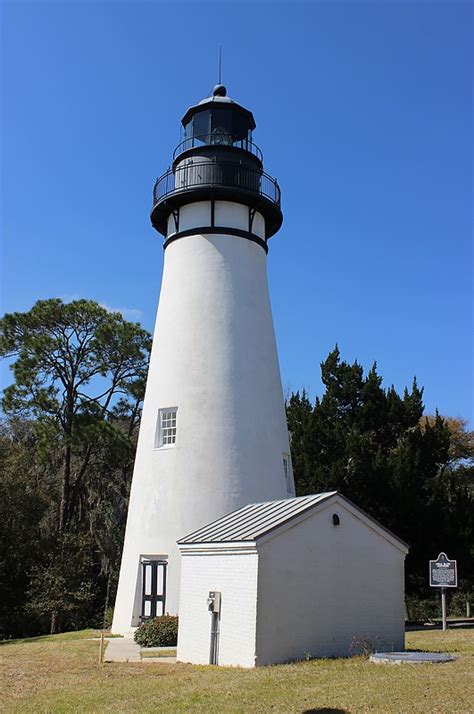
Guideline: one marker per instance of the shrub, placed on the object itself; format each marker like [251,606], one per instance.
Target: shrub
[428,610]
[457,604]
[422,610]
[160,632]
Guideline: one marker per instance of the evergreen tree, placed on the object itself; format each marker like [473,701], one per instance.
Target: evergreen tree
[373,446]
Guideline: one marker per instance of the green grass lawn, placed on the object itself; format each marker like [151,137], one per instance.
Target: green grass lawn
[158,653]
[61,674]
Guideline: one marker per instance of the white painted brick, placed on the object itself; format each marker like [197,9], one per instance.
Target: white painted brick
[312,588]
[323,589]
[235,577]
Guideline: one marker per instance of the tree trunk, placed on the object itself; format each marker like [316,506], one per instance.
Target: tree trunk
[75,490]
[66,480]
[65,487]
[107,596]
[54,622]
[133,418]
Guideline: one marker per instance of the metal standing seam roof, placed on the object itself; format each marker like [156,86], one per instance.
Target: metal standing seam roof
[254,520]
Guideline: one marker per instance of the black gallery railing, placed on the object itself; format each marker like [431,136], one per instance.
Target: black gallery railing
[207,174]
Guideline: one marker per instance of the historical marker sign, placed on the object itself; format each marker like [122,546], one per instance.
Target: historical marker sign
[443,572]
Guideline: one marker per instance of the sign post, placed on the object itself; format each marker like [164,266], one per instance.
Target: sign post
[443,574]
[443,608]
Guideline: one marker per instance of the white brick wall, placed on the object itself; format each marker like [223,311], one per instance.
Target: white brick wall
[235,577]
[310,588]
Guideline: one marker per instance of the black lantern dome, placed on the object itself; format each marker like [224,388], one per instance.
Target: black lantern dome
[217,159]
[218,120]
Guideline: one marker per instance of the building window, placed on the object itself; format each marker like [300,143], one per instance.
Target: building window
[287,472]
[166,431]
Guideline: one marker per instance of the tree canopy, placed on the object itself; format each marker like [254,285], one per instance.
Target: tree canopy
[79,375]
[67,446]
[412,473]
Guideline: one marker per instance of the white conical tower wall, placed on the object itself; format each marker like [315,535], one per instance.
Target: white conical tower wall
[214,357]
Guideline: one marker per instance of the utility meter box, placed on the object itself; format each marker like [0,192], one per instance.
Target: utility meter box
[214,601]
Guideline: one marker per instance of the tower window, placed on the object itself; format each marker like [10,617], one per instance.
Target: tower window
[166,431]
[287,473]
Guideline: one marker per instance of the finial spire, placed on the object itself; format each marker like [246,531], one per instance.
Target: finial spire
[219,81]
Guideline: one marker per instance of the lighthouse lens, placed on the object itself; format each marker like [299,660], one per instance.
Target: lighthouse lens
[221,136]
[218,126]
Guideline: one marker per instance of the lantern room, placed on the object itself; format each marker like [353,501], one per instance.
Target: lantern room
[216,160]
[217,120]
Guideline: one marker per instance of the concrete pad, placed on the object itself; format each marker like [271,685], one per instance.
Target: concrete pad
[122,649]
[159,649]
[411,658]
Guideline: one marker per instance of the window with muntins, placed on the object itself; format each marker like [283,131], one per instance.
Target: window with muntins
[286,471]
[166,432]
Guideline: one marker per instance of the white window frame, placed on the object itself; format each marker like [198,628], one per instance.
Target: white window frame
[164,433]
[287,474]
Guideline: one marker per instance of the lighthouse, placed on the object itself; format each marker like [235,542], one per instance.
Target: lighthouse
[213,435]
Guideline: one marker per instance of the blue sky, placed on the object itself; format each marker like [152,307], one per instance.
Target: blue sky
[364,114]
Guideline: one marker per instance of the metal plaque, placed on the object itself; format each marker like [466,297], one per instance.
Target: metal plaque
[443,572]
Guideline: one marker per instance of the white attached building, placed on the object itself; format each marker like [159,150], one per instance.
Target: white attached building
[309,576]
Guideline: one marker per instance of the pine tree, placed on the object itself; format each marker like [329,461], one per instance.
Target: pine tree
[372,445]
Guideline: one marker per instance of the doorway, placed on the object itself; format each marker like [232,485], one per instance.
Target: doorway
[153,588]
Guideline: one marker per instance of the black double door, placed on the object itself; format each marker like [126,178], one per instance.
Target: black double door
[153,588]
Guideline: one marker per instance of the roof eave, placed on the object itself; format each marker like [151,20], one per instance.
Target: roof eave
[218,548]
[387,531]
[323,503]
[291,521]
[224,105]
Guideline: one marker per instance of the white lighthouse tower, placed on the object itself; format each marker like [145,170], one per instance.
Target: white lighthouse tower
[213,434]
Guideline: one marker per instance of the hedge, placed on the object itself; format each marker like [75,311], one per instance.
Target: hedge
[160,632]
